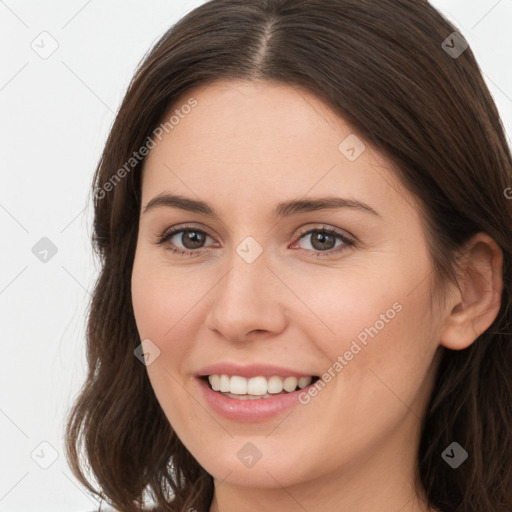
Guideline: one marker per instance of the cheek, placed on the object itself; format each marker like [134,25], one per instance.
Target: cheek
[356,303]
[374,329]
[161,297]
[162,303]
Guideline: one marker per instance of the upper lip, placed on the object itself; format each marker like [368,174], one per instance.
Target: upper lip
[248,371]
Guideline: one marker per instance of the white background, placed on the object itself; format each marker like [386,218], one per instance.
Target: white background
[55,116]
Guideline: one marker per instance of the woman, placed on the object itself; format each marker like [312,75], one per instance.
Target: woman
[304,301]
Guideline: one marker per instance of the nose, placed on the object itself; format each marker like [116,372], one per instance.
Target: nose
[248,299]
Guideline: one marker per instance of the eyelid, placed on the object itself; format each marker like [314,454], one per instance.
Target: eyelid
[301,231]
[324,227]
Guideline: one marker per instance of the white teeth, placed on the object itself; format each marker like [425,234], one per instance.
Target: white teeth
[256,386]
[261,387]
[304,381]
[290,384]
[224,386]
[215,382]
[275,384]
[238,385]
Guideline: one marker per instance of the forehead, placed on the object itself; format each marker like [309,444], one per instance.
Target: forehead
[249,140]
[256,120]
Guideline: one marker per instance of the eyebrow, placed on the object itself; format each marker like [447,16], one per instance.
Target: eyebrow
[284,209]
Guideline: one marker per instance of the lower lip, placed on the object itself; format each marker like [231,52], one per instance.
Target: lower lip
[249,410]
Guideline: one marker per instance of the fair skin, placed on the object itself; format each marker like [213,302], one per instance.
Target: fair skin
[243,149]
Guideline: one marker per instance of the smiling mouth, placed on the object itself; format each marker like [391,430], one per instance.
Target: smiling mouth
[256,388]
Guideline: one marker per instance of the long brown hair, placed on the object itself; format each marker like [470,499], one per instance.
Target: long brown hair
[389,69]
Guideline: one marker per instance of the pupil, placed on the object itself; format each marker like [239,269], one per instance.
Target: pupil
[322,238]
[194,238]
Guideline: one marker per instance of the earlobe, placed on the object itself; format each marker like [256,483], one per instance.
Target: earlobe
[474,305]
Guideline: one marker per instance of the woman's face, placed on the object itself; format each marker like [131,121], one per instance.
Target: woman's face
[266,292]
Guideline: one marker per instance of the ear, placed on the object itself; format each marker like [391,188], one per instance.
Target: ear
[476,302]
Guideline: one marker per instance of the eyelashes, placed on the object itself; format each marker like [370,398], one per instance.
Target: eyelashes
[322,231]
[187,252]
[346,244]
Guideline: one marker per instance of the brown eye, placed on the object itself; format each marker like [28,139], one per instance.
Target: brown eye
[191,240]
[323,241]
